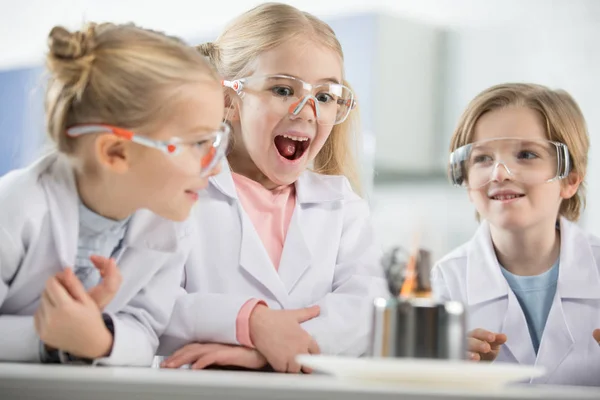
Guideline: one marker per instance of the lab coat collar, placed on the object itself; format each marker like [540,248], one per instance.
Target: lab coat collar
[578,276]
[484,278]
[311,187]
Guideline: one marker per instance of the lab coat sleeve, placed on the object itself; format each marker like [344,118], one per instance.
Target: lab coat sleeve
[344,325]
[20,341]
[202,317]
[140,323]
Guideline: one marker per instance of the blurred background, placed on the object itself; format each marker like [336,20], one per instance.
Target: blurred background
[414,65]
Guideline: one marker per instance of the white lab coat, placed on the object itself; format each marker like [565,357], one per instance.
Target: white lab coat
[471,274]
[329,258]
[39,226]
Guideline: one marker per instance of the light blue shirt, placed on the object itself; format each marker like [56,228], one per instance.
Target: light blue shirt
[97,236]
[535,294]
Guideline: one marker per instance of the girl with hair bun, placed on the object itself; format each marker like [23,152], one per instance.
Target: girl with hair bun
[93,236]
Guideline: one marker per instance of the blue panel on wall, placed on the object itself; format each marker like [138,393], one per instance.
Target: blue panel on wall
[21,117]
[357,34]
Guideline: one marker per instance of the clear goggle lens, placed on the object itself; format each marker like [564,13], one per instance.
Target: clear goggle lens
[530,162]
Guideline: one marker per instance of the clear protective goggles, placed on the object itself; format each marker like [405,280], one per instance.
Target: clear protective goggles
[208,149]
[329,102]
[530,162]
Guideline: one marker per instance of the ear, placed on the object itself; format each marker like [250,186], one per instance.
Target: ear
[569,185]
[112,153]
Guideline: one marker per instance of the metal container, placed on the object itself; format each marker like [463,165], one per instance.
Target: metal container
[419,328]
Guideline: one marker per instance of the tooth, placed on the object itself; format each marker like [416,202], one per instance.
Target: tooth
[506,196]
[296,138]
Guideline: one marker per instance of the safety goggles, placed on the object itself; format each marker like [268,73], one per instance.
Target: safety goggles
[329,102]
[530,162]
[208,149]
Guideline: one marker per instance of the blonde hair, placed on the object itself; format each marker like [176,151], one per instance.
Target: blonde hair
[266,27]
[115,74]
[564,123]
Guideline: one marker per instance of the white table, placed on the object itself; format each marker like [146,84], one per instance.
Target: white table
[65,382]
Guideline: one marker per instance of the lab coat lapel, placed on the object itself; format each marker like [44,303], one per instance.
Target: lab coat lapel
[255,260]
[515,327]
[485,281]
[150,241]
[577,279]
[557,341]
[296,256]
[313,191]
[63,202]
[253,257]
[487,286]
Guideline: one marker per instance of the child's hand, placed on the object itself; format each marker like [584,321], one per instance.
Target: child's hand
[277,334]
[596,335]
[204,355]
[105,291]
[483,345]
[68,319]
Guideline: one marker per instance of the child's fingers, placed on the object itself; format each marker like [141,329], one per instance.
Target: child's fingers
[205,361]
[56,292]
[483,335]
[478,346]
[313,347]
[501,338]
[473,356]
[305,314]
[73,286]
[234,356]
[100,262]
[189,355]
[105,291]
[108,271]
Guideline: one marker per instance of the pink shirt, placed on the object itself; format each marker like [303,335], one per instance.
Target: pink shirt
[270,212]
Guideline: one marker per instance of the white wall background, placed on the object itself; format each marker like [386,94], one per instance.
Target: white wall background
[557,52]
[24,23]
[405,93]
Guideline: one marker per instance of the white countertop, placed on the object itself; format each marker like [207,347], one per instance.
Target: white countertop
[64,382]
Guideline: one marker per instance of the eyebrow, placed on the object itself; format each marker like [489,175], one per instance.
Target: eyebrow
[330,80]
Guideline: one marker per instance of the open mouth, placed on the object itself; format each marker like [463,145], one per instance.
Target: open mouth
[291,147]
[505,197]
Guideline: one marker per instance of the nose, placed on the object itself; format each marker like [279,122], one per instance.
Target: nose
[305,108]
[501,174]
